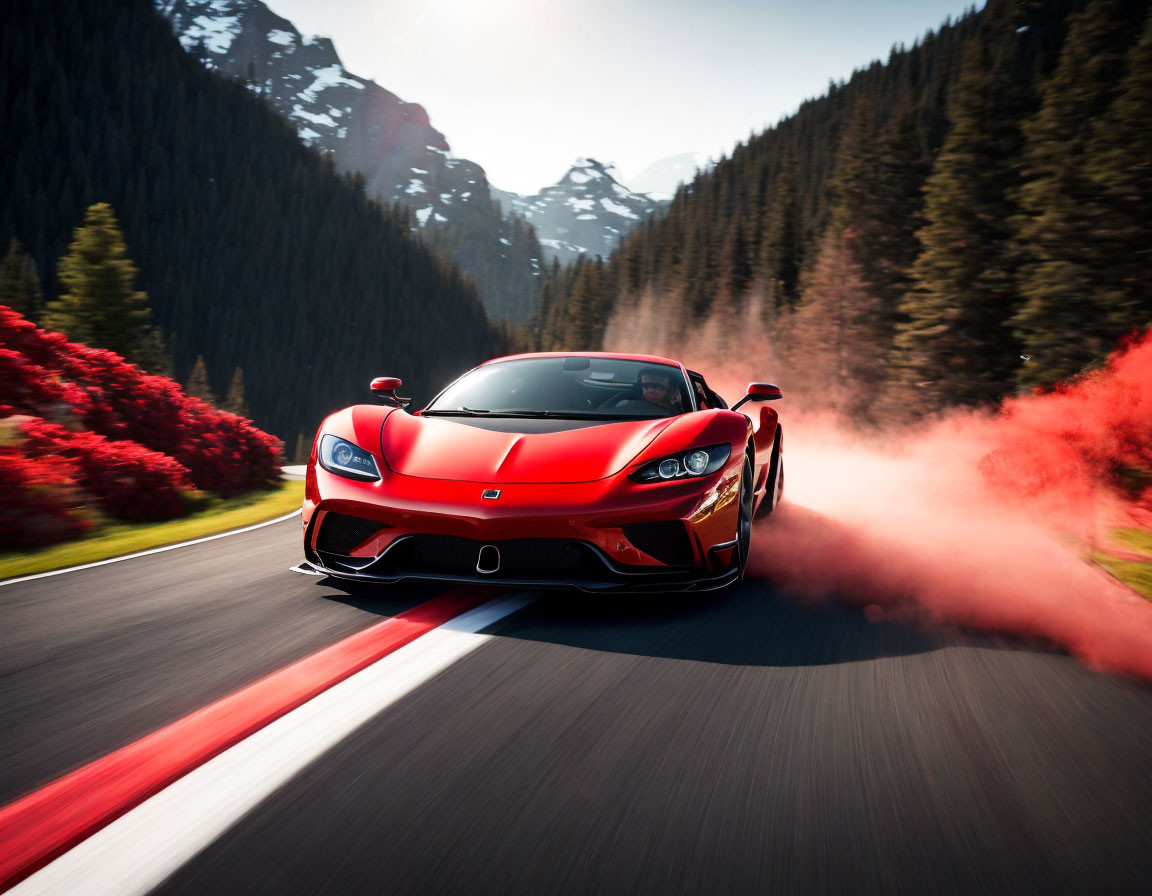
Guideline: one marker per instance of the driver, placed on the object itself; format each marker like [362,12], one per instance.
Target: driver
[656,388]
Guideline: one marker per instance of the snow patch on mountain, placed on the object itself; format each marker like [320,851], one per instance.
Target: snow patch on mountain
[584,213]
[663,178]
[364,127]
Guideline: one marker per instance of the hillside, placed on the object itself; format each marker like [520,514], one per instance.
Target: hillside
[254,251]
[949,227]
[369,131]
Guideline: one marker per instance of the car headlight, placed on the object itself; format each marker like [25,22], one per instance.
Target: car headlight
[345,459]
[688,465]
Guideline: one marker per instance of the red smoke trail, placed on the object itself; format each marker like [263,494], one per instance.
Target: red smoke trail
[968,519]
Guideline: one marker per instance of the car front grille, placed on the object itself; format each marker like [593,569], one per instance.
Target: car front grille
[666,540]
[341,534]
[527,558]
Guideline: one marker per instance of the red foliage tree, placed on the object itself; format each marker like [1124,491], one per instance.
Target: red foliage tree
[130,482]
[38,500]
[222,452]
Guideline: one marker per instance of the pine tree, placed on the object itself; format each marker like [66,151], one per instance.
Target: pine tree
[735,266]
[585,316]
[19,284]
[302,450]
[833,334]
[953,345]
[1066,323]
[152,353]
[1120,170]
[781,253]
[234,401]
[100,305]
[198,385]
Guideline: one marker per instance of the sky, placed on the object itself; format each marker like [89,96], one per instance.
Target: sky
[524,88]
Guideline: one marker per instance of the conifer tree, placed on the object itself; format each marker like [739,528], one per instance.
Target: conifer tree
[302,449]
[781,251]
[735,266]
[234,402]
[833,334]
[198,385]
[585,318]
[1066,323]
[100,305]
[19,284]
[152,353]
[1120,170]
[953,345]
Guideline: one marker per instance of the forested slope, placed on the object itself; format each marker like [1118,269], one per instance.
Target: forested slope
[964,221]
[254,251]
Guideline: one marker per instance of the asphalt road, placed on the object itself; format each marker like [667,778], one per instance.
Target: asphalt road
[709,744]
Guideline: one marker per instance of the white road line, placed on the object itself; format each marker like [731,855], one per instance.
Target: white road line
[139,850]
[167,547]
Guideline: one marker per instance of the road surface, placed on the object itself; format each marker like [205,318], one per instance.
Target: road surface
[704,744]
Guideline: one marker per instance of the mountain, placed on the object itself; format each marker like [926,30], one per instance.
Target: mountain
[364,127]
[254,251]
[369,131]
[586,212]
[663,178]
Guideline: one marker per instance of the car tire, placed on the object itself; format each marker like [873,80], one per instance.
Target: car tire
[746,506]
[774,490]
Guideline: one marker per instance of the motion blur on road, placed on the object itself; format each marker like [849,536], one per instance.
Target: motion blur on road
[217,228]
[697,744]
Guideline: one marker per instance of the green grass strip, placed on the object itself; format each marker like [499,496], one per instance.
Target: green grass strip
[1135,573]
[1137,576]
[116,540]
[1140,540]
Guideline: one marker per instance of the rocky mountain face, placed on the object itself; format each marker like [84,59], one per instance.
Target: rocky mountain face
[364,127]
[585,212]
[403,159]
[372,132]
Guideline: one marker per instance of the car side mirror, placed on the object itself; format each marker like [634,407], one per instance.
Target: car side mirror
[384,388]
[760,392]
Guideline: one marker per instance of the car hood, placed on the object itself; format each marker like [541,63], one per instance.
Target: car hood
[439,448]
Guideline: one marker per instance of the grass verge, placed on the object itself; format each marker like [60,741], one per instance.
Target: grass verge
[1138,539]
[115,540]
[1136,574]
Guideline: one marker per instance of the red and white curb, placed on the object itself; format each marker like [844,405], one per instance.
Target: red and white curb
[125,823]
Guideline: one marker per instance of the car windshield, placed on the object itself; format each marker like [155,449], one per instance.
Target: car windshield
[574,387]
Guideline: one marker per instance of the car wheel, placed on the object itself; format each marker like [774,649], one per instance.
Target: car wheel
[775,490]
[744,519]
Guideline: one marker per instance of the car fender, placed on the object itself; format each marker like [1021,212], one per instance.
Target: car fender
[697,430]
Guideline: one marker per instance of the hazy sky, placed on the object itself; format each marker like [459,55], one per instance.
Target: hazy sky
[523,88]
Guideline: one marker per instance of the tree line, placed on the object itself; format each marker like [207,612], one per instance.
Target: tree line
[963,222]
[254,252]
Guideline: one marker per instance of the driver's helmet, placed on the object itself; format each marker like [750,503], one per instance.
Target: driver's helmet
[655,386]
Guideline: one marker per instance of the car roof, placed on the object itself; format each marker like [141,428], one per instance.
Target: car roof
[621,356]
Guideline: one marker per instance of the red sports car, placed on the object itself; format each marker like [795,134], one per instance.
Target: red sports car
[596,471]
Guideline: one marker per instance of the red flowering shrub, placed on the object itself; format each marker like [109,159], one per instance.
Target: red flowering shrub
[222,452]
[144,443]
[130,482]
[38,500]
[29,388]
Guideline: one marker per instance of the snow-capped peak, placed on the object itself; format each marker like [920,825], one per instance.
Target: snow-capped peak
[585,212]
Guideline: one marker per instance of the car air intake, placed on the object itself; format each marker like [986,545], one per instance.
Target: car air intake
[342,534]
[527,558]
[666,540]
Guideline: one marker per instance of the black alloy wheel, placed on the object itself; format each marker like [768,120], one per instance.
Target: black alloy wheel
[744,519]
[774,487]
